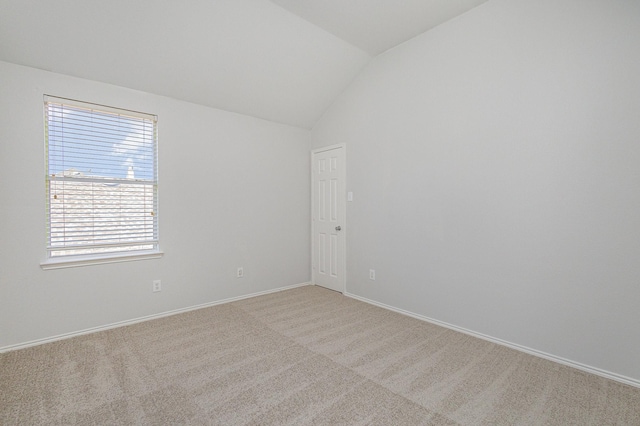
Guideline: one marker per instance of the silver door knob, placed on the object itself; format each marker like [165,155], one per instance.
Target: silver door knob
[338,228]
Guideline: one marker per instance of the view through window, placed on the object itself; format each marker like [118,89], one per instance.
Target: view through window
[101,179]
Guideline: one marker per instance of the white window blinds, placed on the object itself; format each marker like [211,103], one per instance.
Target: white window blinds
[101,179]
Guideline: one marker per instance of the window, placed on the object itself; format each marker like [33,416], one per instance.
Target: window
[101,180]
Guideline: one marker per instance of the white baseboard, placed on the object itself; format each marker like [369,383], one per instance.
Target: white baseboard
[534,352]
[141,319]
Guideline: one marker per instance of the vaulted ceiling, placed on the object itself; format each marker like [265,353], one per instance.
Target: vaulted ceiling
[281,60]
[377,25]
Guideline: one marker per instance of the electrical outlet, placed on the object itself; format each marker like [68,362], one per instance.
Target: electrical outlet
[372,274]
[157,285]
[240,273]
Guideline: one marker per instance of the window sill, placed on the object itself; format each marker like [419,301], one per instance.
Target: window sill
[78,261]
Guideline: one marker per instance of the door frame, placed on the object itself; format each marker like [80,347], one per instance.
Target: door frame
[342,193]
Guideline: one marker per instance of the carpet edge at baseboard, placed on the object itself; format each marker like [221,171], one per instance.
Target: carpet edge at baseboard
[550,357]
[124,323]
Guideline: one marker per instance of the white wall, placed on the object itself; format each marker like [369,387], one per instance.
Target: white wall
[495,165]
[234,191]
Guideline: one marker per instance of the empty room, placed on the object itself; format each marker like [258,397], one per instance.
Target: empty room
[320,212]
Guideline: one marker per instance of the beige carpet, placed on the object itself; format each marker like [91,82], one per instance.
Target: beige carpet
[302,356]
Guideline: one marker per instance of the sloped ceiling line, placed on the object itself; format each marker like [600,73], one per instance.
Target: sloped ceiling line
[282,60]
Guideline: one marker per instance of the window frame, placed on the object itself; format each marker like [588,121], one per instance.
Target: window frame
[74,260]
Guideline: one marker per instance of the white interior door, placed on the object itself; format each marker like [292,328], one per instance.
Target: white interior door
[328,218]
